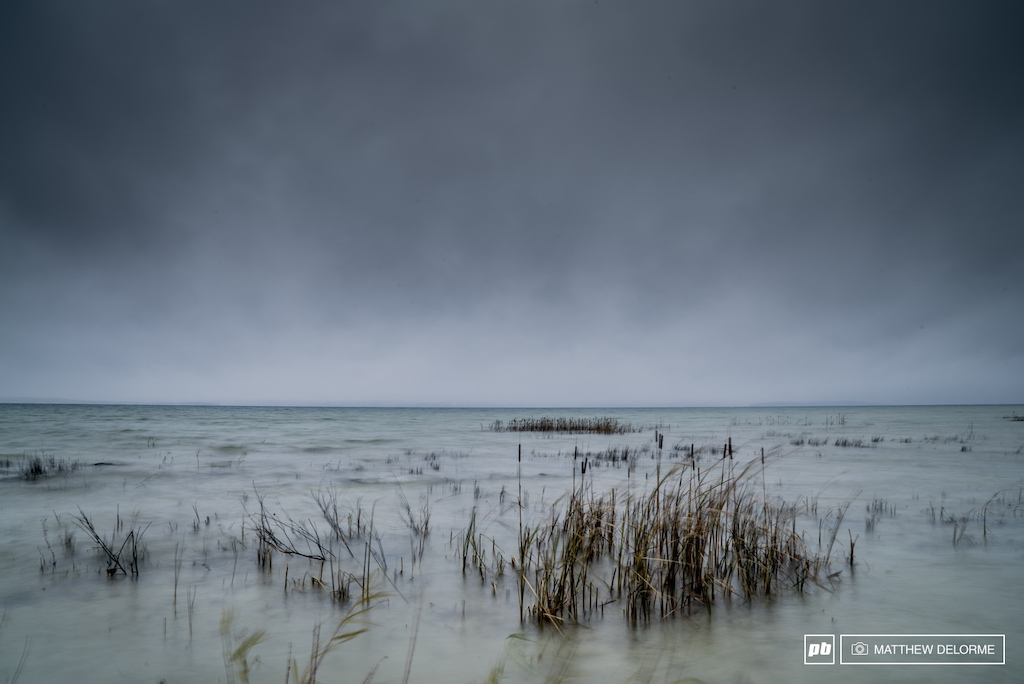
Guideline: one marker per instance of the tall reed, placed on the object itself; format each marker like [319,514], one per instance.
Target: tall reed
[692,538]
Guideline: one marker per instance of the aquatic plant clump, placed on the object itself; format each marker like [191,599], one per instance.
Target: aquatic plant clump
[694,538]
[38,467]
[601,426]
[124,557]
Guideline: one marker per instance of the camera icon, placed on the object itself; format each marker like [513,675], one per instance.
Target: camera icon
[859,649]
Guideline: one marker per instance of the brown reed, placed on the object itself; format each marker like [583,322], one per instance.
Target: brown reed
[691,539]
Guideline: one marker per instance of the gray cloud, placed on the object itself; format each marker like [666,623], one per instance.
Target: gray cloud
[511,202]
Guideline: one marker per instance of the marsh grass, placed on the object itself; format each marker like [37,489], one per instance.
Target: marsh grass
[833,520]
[472,548]
[693,538]
[287,536]
[345,527]
[130,552]
[875,510]
[302,539]
[997,510]
[40,466]
[237,658]
[66,540]
[349,627]
[190,600]
[1001,506]
[418,522]
[179,554]
[601,426]
[238,645]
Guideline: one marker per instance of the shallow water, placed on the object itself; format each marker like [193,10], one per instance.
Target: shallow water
[190,477]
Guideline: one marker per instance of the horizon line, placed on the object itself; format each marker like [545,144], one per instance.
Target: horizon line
[763,405]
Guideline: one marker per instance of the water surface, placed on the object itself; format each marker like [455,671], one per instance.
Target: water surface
[946,556]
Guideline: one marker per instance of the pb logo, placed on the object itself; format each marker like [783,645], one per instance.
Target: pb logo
[819,649]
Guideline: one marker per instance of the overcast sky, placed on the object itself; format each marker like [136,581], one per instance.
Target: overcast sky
[512,203]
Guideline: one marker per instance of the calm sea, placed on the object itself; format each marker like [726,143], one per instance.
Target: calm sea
[931,497]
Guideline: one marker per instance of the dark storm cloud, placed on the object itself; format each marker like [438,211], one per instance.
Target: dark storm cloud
[477,195]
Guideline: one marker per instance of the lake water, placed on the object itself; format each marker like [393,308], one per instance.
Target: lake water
[935,509]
